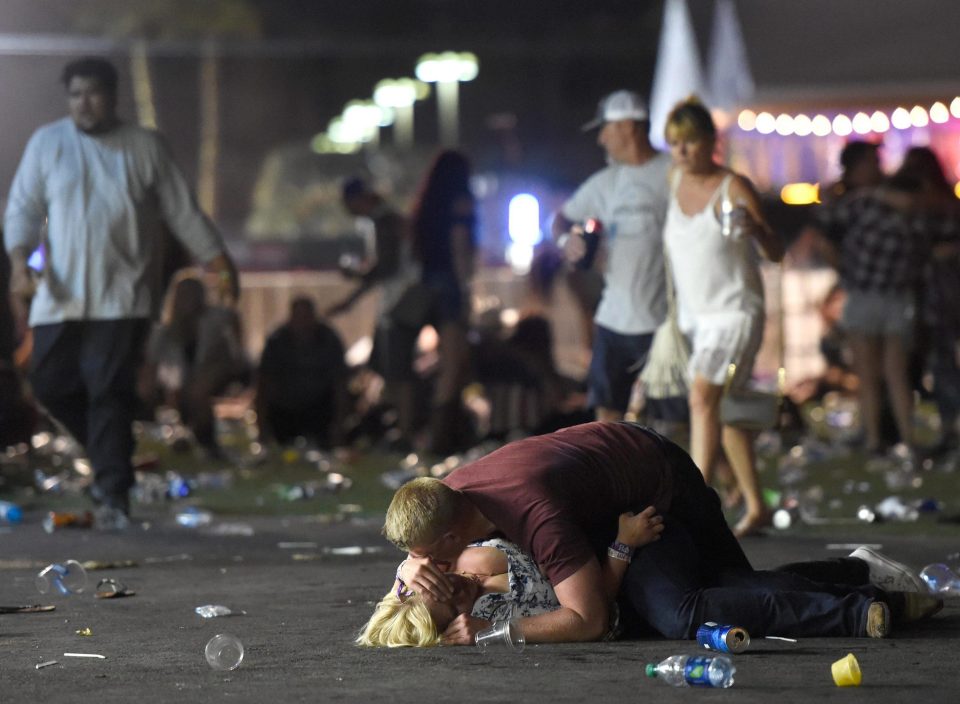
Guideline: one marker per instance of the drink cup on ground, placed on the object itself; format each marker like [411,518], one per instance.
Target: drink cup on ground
[503,635]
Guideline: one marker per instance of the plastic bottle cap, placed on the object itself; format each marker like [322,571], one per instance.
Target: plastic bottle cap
[651,670]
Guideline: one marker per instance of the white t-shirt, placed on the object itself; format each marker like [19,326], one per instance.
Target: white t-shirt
[631,202]
[104,199]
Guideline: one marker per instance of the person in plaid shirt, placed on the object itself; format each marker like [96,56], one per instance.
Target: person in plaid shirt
[883,237]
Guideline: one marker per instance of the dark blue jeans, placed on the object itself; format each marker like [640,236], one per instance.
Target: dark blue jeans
[84,373]
[697,572]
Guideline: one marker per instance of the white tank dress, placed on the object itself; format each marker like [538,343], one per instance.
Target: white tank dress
[718,288]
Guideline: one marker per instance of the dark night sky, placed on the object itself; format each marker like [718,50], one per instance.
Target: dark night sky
[545,61]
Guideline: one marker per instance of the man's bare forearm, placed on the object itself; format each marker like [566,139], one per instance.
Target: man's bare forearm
[562,626]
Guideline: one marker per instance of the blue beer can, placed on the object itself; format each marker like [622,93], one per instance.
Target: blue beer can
[723,639]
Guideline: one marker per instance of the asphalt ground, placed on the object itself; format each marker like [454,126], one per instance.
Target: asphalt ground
[304,602]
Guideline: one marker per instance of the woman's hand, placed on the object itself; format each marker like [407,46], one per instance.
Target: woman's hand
[422,575]
[636,530]
[463,630]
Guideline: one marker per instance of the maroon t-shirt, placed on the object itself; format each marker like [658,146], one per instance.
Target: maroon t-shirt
[558,496]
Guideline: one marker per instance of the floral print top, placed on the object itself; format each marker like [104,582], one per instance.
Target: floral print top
[530,591]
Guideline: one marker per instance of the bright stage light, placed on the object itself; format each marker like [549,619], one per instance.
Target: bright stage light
[766,123]
[939,113]
[842,125]
[901,118]
[747,120]
[523,220]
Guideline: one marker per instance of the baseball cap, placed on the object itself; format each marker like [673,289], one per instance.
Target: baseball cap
[619,105]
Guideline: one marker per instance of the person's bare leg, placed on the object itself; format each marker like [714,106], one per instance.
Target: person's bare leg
[454,353]
[738,445]
[866,362]
[704,400]
[896,359]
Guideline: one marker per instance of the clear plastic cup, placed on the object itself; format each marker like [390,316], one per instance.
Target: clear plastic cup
[65,579]
[224,652]
[502,635]
[940,579]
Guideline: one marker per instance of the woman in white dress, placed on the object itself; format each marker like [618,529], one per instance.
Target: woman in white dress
[719,292]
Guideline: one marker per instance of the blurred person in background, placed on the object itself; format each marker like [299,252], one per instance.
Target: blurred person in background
[940,289]
[629,198]
[444,225]
[301,381]
[193,354]
[396,273]
[720,299]
[882,238]
[105,190]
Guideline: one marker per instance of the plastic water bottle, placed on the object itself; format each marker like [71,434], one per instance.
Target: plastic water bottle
[694,671]
[10,513]
[941,579]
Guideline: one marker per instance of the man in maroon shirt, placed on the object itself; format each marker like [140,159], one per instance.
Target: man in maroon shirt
[558,497]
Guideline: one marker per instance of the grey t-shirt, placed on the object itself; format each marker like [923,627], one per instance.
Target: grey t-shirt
[631,202]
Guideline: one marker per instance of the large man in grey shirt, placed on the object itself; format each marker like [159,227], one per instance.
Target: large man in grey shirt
[105,191]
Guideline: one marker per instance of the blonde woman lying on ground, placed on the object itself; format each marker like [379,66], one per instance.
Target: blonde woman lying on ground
[492,580]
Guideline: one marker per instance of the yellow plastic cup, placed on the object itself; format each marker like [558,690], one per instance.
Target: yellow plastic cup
[846,671]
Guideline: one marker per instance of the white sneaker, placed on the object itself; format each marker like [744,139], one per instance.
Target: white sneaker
[889,575]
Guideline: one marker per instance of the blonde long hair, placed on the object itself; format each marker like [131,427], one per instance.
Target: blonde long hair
[397,623]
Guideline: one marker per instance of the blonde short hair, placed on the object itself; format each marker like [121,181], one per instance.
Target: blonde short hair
[420,512]
[400,624]
[690,119]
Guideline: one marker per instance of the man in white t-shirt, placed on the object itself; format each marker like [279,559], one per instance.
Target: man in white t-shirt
[98,194]
[629,197]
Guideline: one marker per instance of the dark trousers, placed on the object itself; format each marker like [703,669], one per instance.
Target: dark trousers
[84,373]
[697,572]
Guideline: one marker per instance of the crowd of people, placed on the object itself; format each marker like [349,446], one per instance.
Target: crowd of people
[110,334]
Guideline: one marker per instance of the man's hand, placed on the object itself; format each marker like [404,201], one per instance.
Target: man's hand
[640,529]
[228,283]
[422,575]
[22,284]
[574,246]
[463,630]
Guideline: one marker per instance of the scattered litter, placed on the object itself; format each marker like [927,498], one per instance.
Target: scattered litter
[240,529]
[93,565]
[66,579]
[29,609]
[193,517]
[352,550]
[783,638]
[182,557]
[110,588]
[84,632]
[846,671]
[216,610]
[85,655]
[295,546]
[941,579]
[48,663]
[56,520]
[854,546]
[224,652]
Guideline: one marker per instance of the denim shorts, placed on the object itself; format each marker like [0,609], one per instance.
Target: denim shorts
[616,362]
[880,313]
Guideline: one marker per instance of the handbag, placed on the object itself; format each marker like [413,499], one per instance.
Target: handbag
[665,374]
[750,409]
